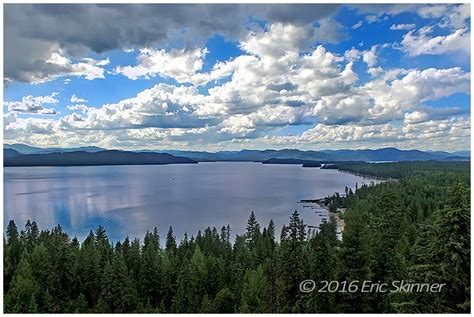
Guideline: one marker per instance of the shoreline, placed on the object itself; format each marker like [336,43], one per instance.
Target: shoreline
[340,222]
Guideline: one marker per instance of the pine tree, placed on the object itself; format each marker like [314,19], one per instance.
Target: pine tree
[354,261]
[451,248]
[387,243]
[118,294]
[291,265]
[322,266]
[254,292]
[13,249]
[21,296]
[132,257]
[88,272]
[41,271]
[30,235]
[224,303]
[197,277]
[171,242]
[81,306]
[169,277]
[151,270]
[253,231]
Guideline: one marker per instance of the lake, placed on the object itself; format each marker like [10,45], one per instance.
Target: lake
[128,200]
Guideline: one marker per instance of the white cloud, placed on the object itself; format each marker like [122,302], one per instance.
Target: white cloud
[371,19]
[375,71]
[446,134]
[279,40]
[433,11]
[59,66]
[265,89]
[415,117]
[394,97]
[178,64]
[80,108]
[75,99]
[353,54]
[392,94]
[420,43]
[329,31]
[370,56]
[357,25]
[184,65]
[453,16]
[428,113]
[33,105]
[395,27]
[267,116]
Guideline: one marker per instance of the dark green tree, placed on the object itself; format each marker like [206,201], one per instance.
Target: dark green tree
[21,298]
[255,292]
[118,294]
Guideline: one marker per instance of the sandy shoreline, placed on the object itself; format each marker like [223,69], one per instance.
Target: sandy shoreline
[340,222]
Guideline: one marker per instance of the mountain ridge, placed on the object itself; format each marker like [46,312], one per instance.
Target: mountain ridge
[83,158]
[377,155]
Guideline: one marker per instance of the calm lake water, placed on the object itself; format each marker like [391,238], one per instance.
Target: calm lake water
[128,200]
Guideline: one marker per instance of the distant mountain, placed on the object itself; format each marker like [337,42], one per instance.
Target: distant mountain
[455,158]
[462,153]
[252,155]
[378,155]
[386,154]
[9,153]
[82,158]
[306,163]
[21,148]
[194,155]
[26,149]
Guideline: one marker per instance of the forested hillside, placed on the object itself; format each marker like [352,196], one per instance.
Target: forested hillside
[416,228]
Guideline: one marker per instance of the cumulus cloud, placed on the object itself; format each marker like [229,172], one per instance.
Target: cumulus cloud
[178,64]
[279,40]
[453,16]
[380,10]
[78,107]
[32,29]
[330,31]
[411,89]
[357,25]
[75,99]
[445,134]
[353,54]
[283,77]
[368,56]
[428,113]
[318,93]
[419,42]
[371,19]
[406,26]
[33,105]
[58,65]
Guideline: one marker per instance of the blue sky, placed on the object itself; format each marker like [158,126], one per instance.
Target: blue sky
[324,77]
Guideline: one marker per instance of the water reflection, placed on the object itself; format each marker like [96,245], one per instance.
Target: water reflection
[128,200]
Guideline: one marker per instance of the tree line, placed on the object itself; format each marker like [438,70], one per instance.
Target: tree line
[416,228]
